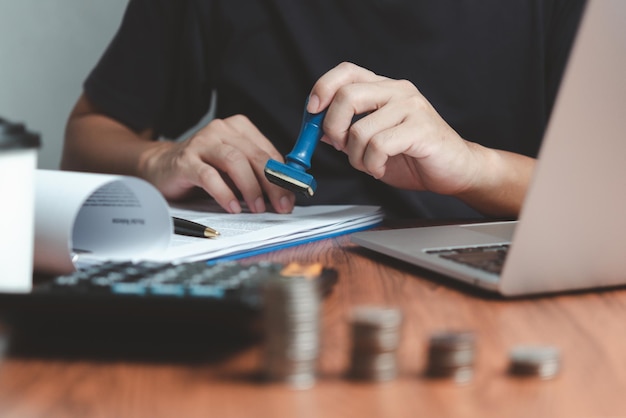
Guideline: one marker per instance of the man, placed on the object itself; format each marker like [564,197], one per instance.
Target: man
[456,93]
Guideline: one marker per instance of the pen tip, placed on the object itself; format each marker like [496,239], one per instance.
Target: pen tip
[210,233]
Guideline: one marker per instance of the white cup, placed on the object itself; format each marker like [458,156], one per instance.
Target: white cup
[18,164]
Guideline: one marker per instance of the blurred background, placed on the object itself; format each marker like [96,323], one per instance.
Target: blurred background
[47,48]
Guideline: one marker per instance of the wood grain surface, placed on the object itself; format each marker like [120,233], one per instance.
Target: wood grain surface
[589,328]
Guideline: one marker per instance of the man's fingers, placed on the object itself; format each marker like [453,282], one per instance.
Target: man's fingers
[381,101]
[240,151]
[213,183]
[327,85]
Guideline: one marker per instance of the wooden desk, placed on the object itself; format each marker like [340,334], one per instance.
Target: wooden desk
[590,328]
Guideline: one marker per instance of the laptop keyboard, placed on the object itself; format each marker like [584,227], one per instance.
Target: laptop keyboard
[487,258]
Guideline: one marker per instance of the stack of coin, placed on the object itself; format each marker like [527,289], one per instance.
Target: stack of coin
[375,340]
[291,307]
[451,355]
[541,361]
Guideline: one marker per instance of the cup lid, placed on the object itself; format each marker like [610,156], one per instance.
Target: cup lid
[15,136]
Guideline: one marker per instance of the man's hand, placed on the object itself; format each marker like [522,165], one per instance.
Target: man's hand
[404,142]
[226,158]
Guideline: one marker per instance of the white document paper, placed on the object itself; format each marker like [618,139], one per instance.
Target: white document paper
[104,216]
[84,218]
[246,232]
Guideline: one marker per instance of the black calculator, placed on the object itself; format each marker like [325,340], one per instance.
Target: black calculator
[126,299]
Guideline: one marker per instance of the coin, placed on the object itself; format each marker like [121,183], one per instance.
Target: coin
[291,314]
[543,362]
[375,340]
[451,355]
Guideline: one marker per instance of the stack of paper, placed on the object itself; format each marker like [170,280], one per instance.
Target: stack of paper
[249,233]
[84,218]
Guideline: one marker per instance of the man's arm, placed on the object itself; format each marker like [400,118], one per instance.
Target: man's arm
[501,187]
[97,143]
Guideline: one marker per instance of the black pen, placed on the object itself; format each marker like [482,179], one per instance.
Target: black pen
[193,229]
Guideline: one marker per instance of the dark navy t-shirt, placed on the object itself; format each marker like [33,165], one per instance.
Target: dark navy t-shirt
[491,68]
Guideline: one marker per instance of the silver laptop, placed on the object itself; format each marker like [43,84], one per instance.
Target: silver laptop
[571,233]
